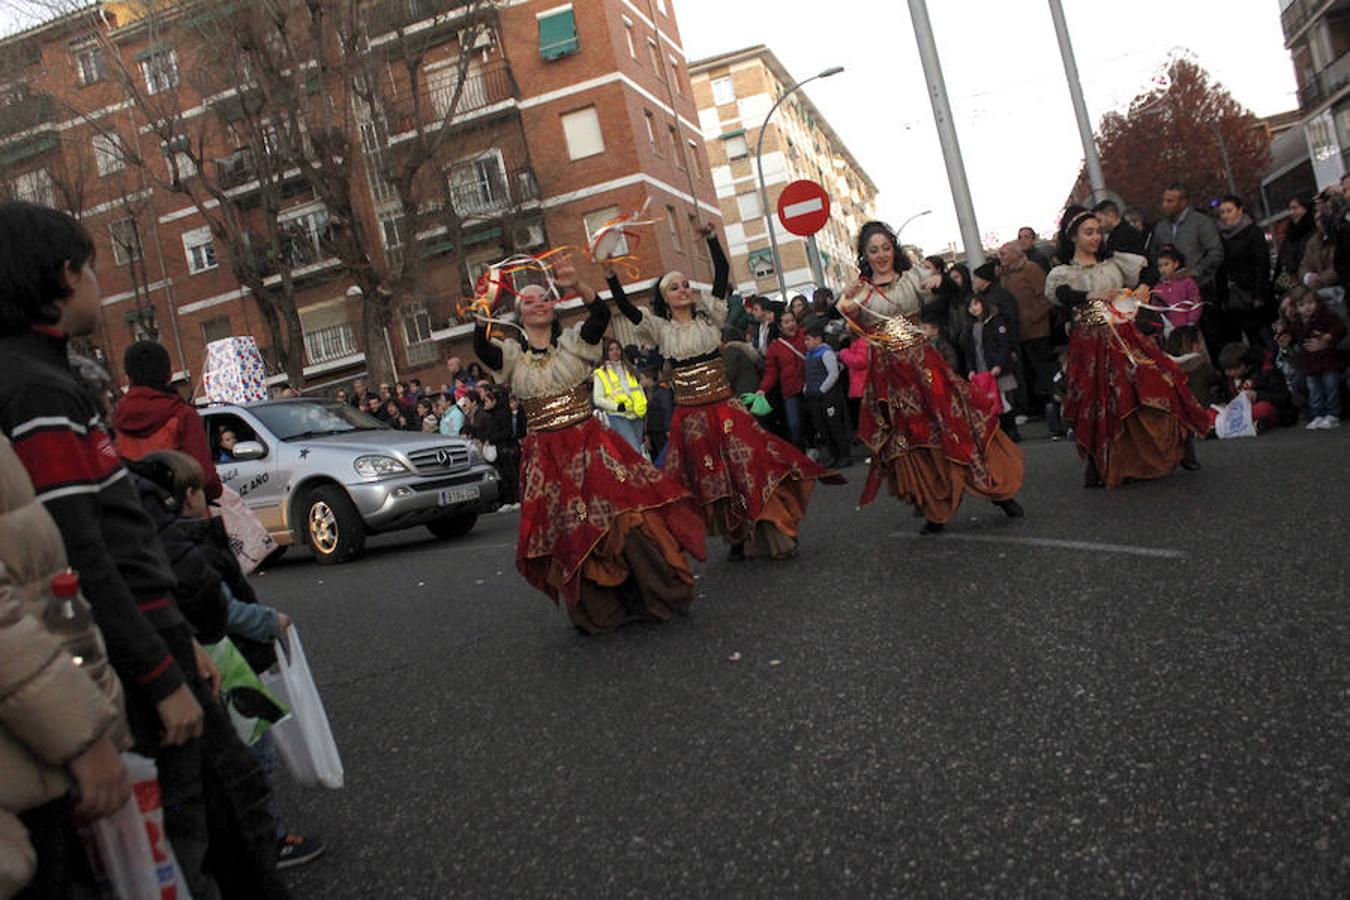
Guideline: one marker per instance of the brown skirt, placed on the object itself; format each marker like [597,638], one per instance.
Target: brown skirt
[1150,444]
[934,483]
[637,573]
[774,534]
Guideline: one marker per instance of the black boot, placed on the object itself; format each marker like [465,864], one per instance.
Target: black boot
[1188,458]
[737,553]
[930,527]
[1011,508]
[1091,477]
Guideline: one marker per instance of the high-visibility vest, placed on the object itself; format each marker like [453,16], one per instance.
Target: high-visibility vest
[629,393]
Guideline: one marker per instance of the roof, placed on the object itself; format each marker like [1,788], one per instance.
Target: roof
[764,54]
[69,18]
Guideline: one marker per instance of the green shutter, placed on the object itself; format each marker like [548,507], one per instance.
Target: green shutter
[151,51]
[558,35]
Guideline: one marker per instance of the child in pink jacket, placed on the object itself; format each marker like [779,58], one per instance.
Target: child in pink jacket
[1177,288]
[854,357]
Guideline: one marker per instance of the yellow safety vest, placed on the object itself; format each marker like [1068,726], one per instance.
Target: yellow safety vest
[634,400]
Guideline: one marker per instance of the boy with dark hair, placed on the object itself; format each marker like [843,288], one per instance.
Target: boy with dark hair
[1264,386]
[825,399]
[49,293]
[153,417]
[660,409]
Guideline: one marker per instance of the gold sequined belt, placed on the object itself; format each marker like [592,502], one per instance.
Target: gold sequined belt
[1094,312]
[896,333]
[559,410]
[701,383]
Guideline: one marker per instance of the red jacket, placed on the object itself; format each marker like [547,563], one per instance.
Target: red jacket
[855,357]
[785,365]
[147,420]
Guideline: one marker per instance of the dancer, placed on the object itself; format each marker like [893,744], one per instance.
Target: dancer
[600,527]
[930,440]
[753,487]
[1128,403]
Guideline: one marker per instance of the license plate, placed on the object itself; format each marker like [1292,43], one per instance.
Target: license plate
[454,495]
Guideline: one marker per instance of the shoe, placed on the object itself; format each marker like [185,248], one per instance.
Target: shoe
[1330,422]
[296,850]
[931,527]
[737,553]
[1022,420]
[1011,508]
[1315,424]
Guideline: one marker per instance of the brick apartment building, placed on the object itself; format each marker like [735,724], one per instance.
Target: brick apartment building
[571,113]
[734,91]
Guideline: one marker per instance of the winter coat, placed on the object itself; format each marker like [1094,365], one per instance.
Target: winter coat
[744,367]
[51,710]
[995,340]
[660,408]
[147,420]
[1319,258]
[1027,284]
[785,365]
[1269,385]
[1179,288]
[855,359]
[1324,321]
[1289,257]
[1197,237]
[1125,238]
[1245,276]
[498,432]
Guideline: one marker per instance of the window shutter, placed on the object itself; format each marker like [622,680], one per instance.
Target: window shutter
[558,35]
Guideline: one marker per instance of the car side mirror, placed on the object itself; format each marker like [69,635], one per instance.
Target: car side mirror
[246,450]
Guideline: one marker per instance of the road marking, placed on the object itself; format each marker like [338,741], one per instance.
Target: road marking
[1053,543]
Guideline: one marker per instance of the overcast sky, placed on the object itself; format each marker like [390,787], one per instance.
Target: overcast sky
[1005,80]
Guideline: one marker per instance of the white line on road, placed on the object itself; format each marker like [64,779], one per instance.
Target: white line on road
[1053,543]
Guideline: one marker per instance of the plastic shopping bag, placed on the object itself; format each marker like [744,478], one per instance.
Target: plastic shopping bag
[129,851]
[248,536]
[252,708]
[304,739]
[1235,419]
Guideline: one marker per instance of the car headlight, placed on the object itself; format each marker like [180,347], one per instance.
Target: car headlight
[378,466]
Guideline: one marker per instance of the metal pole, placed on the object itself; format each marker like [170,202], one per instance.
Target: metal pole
[901,230]
[813,256]
[1227,166]
[951,147]
[1090,157]
[759,167]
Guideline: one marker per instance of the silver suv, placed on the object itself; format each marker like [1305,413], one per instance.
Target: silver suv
[322,473]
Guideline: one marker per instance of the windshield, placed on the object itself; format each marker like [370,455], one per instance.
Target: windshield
[311,418]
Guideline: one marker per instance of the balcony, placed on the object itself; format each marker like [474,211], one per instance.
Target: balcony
[1295,17]
[483,88]
[334,342]
[489,191]
[235,170]
[1325,84]
[25,113]
[386,16]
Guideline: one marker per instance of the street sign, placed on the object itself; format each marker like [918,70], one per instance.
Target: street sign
[804,208]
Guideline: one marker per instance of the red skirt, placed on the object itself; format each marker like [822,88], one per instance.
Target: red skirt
[743,477]
[1130,406]
[593,511]
[932,439]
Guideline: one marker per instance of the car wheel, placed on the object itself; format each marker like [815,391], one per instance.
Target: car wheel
[333,528]
[453,526]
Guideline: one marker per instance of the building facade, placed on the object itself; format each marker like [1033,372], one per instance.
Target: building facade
[562,116]
[734,92]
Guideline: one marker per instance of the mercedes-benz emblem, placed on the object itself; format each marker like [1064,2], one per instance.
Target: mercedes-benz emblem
[443,456]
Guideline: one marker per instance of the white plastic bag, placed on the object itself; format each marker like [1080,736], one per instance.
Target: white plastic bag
[1235,419]
[248,536]
[304,739]
[129,850]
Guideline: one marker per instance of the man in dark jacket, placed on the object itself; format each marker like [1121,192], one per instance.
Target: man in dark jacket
[153,417]
[1122,236]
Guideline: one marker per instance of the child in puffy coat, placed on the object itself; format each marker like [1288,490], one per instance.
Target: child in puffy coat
[986,346]
[1177,288]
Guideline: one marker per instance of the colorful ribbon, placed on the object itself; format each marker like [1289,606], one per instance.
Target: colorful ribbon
[622,224]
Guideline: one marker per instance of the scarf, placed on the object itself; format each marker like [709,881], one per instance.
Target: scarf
[1228,231]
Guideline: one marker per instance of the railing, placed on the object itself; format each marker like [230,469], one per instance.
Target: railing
[482,88]
[25,113]
[235,170]
[333,342]
[1325,83]
[495,193]
[422,353]
[387,15]
[1296,15]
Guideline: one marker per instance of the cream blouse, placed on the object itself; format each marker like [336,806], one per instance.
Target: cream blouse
[534,374]
[686,340]
[902,297]
[1120,270]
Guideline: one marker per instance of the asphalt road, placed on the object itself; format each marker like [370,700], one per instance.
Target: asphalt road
[1134,693]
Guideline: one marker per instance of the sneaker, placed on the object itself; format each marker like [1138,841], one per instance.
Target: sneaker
[1021,420]
[296,850]
[1314,424]
[1329,422]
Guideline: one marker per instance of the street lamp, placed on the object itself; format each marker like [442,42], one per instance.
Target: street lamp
[900,230]
[759,166]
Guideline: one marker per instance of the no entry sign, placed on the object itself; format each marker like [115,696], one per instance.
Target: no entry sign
[804,208]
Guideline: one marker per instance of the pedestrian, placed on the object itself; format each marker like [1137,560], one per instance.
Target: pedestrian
[452,417]
[1315,331]
[987,347]
[752,487]
[1026,242]
[1176,289]
[764,325]
[1033,334]
[1197,237]
[375,409]
[931,323]
[1122,235]
[475,422]
[601,529]
[1245,279]
[930,442]
[743,363]
[855,357]
[785,373]
[800,309]
[825,399]
[426,415]
[500,436]
[396,417]
[152,416]
[660,410]
[1289,254]
[342,396]
[1263,386]
[1326,255]
[359,393]
[1127,401]
[617,392]
[947,303]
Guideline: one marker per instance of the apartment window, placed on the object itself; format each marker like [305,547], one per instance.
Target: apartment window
[180,165]
[675,76]
[160,69]
[628,36]
[305,236]
[673,224]
[416,324]
[479,186]
[700,246]
[34,187]
[581,129]
[393,226]
[661,5]
[329,335]
[723,92]
[216,329]
[89,65]
[693,160]
[558,34]
[596,220]
[761,263]
[748,204]
[736,146]
[655,56]
[200,250]
[108,155]
[675,146]
[651,130]
[126,242]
